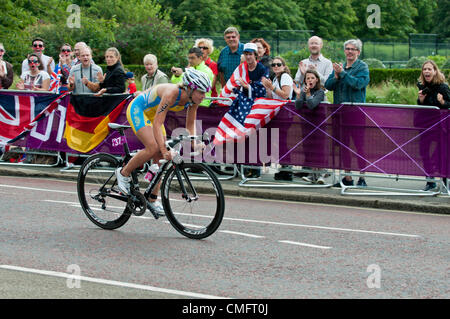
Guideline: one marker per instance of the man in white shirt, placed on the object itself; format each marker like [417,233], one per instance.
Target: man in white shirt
[316,61]
[38,47]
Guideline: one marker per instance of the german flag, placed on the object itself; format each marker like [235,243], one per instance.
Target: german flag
[87,119]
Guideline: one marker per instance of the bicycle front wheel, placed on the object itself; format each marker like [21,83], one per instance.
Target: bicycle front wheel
[193,200]
[98,193]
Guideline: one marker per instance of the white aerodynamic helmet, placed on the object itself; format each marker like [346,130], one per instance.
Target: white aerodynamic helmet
[196,80]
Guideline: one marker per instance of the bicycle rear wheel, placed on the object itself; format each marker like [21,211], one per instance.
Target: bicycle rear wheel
[98,193]
[200,215]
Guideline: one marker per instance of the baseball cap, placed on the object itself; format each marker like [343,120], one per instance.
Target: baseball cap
[129,75]
[250,47]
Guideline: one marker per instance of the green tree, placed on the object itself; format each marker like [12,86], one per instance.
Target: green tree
[14,21]
[330,19]
[424,21]
[203,15]
[98,33]
[269,15]
[442,19]
[142,27]
[397,19]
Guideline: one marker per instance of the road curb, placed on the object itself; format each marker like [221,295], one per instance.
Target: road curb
[274,194]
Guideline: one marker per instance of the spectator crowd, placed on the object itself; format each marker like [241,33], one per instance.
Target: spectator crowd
[76,71]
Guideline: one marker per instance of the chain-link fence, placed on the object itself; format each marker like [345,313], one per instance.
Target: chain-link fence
[292,45]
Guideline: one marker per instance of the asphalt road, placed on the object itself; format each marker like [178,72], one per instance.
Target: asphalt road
[263,249]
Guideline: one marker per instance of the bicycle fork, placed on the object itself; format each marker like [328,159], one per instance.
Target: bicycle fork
[185,194]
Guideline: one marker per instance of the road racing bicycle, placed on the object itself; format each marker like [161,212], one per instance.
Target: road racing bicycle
[191,194]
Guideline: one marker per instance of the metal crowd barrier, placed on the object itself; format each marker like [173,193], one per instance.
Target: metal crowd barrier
[442,188]
[267,179]
[31,158]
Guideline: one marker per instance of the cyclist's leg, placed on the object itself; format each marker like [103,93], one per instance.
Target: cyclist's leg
[156,158]
[145,135]
[141,125]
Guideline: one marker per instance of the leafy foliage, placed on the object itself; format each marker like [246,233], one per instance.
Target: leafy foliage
[392,93]
[416,62]
[269,15]
[374,63]
[441,19]
[397,19]
[446,65]
[324,16]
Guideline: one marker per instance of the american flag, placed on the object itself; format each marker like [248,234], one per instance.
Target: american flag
[259,114]
[228,91]
[246,114]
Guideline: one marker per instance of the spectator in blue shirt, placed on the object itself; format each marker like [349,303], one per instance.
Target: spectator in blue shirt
[348,83]
[230,56]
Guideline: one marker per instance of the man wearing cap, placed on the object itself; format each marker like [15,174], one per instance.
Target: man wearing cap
[256,70]
[230,56]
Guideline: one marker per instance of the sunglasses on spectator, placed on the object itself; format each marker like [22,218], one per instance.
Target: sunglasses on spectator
[33,62]
[351,49]
[276,64]
[66,50]
[38,45]
[203,48]
[2,50]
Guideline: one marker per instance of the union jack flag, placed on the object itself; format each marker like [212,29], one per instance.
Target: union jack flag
[247,113]
[20,112]
[55,78]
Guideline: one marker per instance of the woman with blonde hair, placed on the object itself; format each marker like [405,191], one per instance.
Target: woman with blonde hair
[154,76]
[207,47]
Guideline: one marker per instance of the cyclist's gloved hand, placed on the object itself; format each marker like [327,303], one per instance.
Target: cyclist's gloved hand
[168,155]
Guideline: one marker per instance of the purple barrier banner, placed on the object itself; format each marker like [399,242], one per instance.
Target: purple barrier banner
[387,140]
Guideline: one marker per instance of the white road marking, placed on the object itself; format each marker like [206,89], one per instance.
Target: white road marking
[241,234]
[320,227]
[273,200]
[38,189]
[294,225]
[303,244]
[111,282]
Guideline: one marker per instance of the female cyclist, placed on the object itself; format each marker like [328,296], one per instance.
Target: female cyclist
[146,115]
